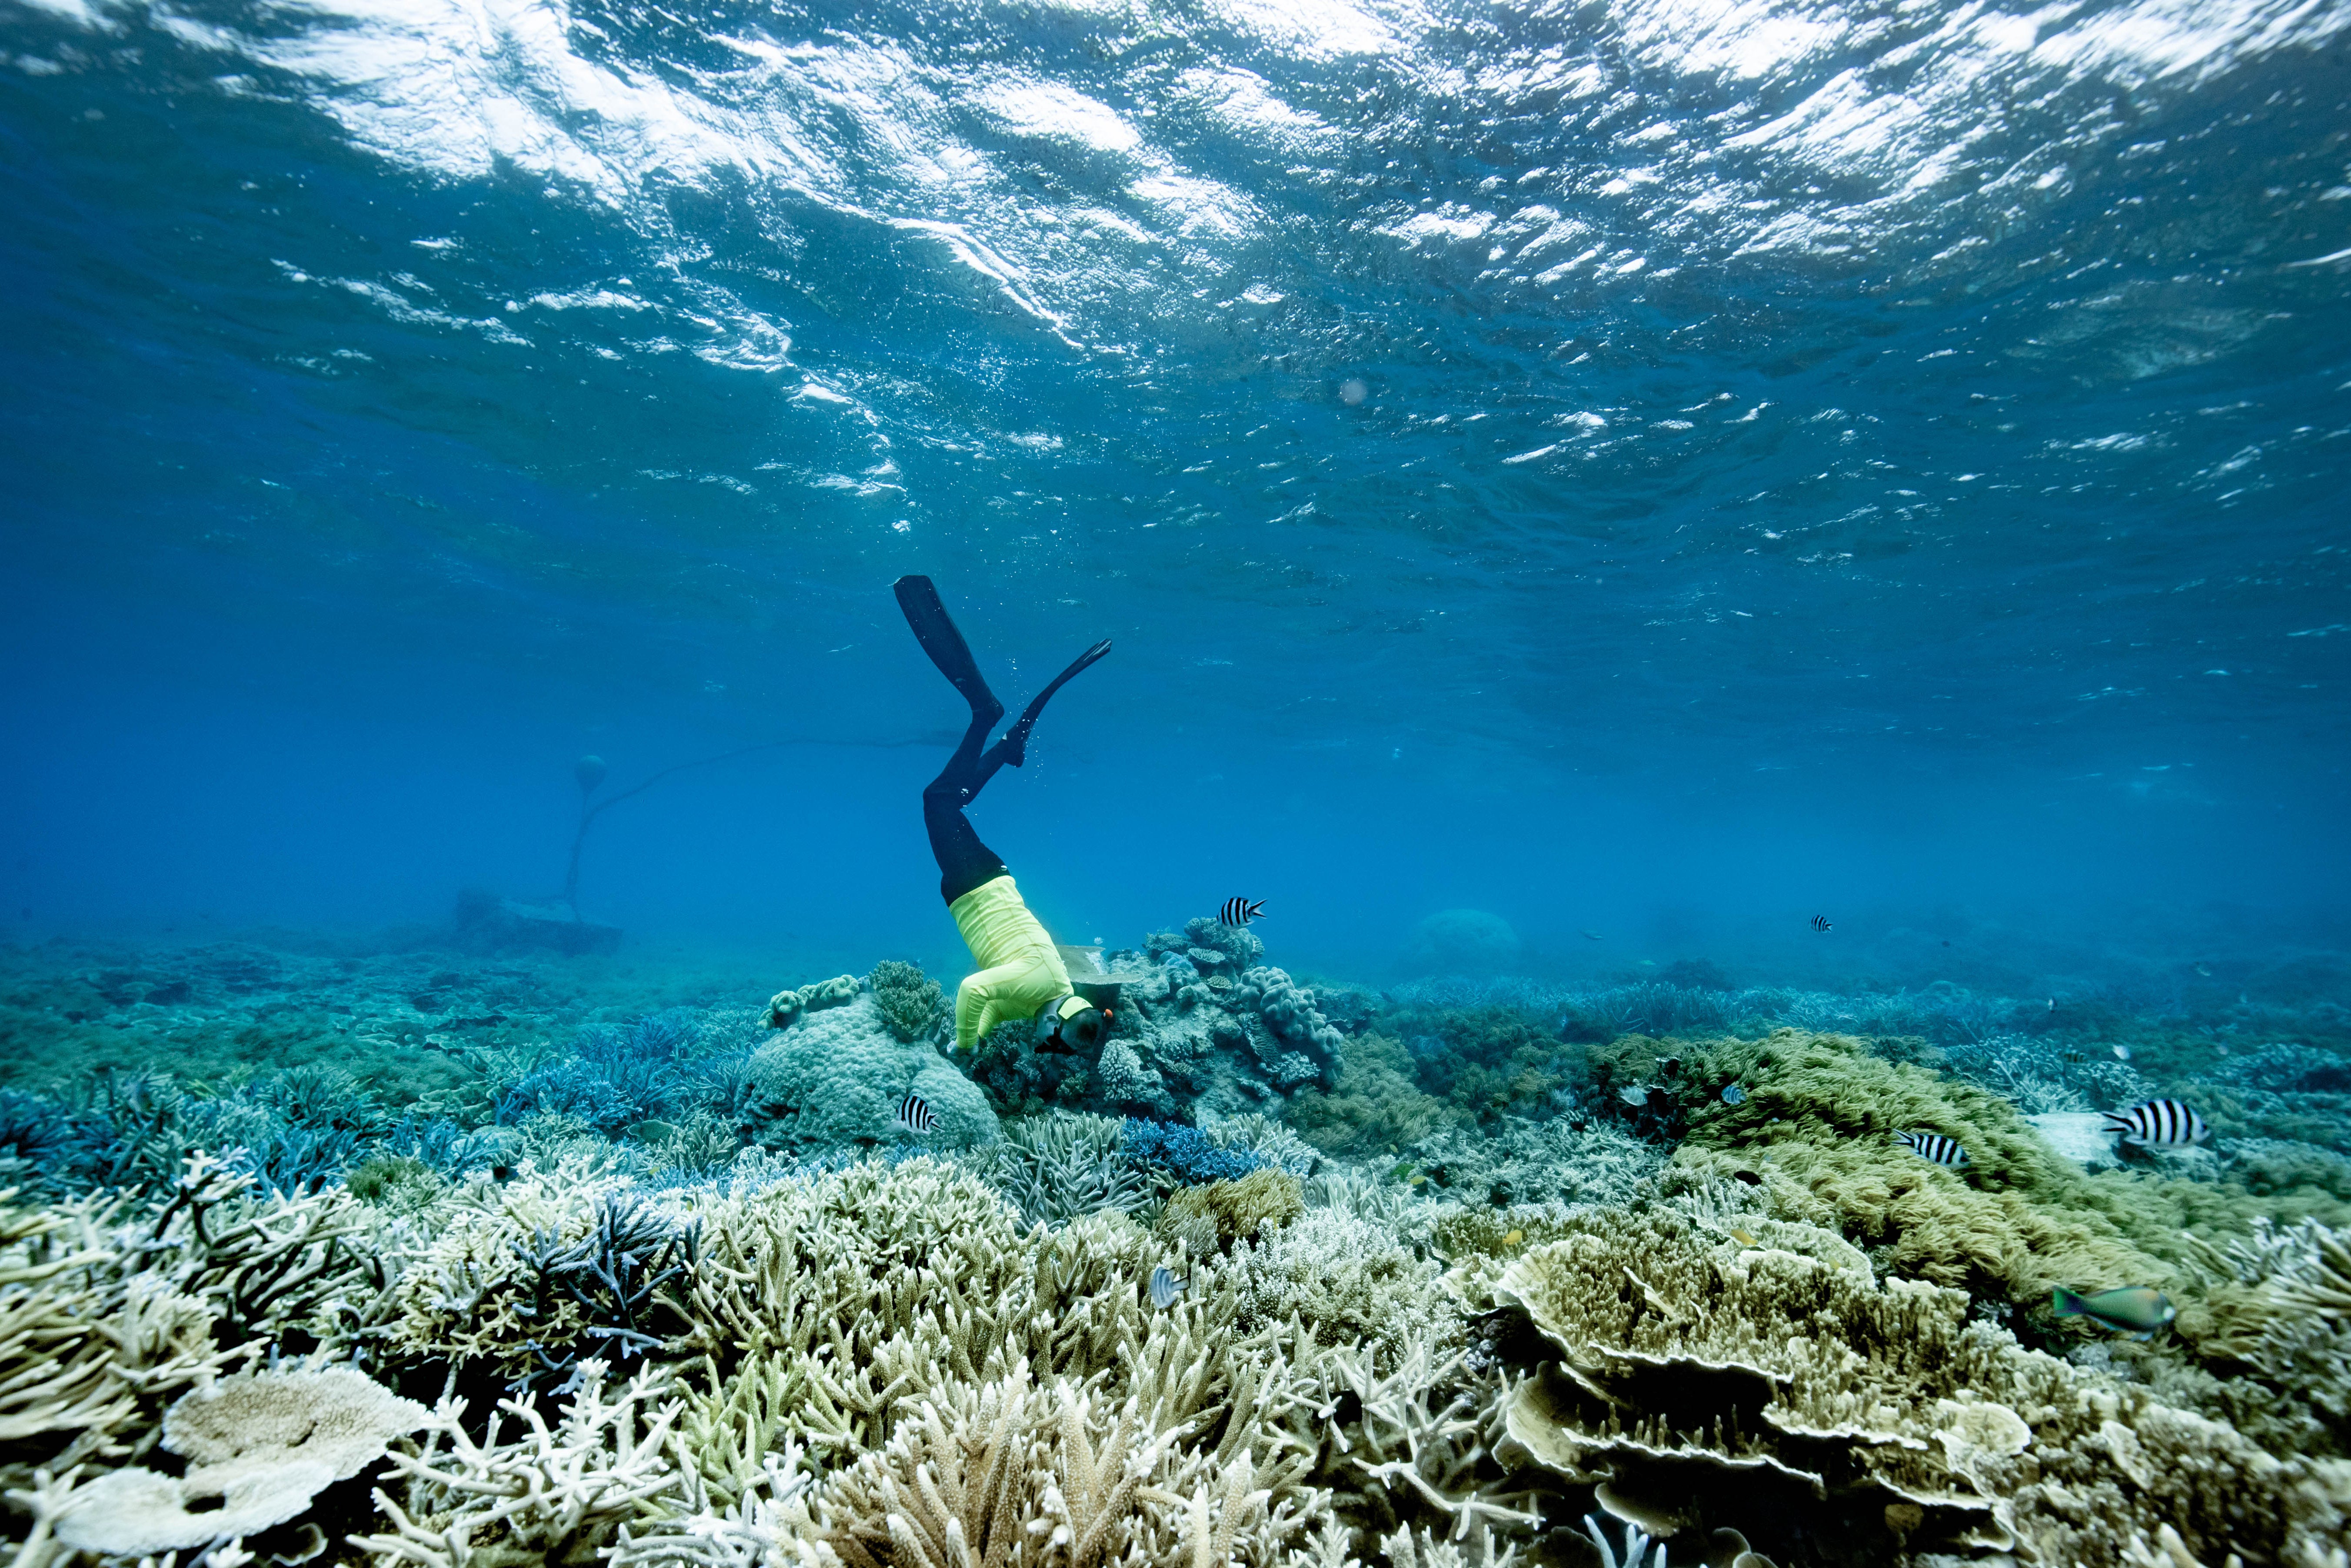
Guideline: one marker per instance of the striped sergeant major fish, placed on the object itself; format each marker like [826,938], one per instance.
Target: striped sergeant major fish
[1165,1287]
[2159,1125]
[1821,922]
[914,1114]
[1936,1147]
[1240,911]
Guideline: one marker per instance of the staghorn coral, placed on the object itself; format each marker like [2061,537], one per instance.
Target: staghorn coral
[1570,1158]
[1056,1167]
[1804,1389]
[1268,1140]
[1184,1154]
[550,1496]
[1007,1472]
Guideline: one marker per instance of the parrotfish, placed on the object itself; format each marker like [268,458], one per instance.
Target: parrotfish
[2138,1309]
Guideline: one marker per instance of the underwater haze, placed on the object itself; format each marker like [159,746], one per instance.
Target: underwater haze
[1760,588]
[1666,470]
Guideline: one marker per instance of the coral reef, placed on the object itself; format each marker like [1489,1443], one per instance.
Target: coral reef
[835,1078]
[261,1446]
[1210,1030]
[620,1276]
[910,1003]
[1891,1409]
[788,1007]
[1184,1155]
[1570,1158]
[1214,1216]
[1814,1130]
[1375,1106]
[1059,1166]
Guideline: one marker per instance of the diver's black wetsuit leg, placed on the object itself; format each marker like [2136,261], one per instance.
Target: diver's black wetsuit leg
[963,862]
[935,631]
[1014,746]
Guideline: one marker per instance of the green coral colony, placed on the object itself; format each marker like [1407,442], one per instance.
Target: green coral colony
[482,1264]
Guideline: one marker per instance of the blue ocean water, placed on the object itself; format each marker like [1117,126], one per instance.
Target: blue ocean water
[1760,588]
[1659,469]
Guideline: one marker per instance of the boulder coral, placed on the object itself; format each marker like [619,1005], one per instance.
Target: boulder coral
[835,1078]
[1463,942]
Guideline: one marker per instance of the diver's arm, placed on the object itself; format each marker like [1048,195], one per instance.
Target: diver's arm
[1019,989]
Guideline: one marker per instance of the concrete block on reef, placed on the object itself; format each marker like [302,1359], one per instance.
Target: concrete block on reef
[484,923]
[835,1078]
[2079,1135]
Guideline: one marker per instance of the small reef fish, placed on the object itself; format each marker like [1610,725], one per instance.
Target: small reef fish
[1934,1146]
[1732,1094]
[2138,1309]
[1633,1094]
[2122,1053]
[1594,937]
[2159,1125]
[915,1115]
[1514,1238]
[1165,1287]
[1240,911]
[1743,1238]
[1821,922]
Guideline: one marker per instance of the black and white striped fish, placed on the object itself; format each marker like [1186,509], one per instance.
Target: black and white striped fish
[914,1114]
[1165,1287]
[2160,1124]
[1934,1146]
[1820,923]
[1240,911]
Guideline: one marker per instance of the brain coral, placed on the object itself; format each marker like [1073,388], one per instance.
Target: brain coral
[835,1078]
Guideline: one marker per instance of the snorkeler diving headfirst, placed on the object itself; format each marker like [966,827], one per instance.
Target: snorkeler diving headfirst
[1021,973]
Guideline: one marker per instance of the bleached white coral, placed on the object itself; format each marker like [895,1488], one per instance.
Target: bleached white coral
[263,1443]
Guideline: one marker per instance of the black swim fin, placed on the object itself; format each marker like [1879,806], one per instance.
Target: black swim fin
[1015,743]
[935,631]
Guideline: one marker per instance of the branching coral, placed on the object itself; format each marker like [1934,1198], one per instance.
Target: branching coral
[551,1495]
[910,1002]
[1058,1166]
[1185,1154]
[1346,1277]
